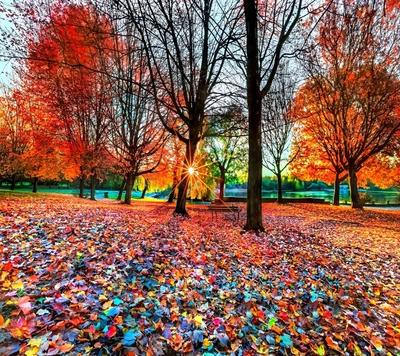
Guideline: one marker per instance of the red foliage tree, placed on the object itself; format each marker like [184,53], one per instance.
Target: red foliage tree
[350,102]
[66,61]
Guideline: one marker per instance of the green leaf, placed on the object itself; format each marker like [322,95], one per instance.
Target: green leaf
[271,322]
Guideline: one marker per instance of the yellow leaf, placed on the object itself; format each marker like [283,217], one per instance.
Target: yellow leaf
[35,342]
[263,349]
[294,351]
[253,338]
[17,284]
[107,305]
[198,319]
[206,343]
[32,351]
[357,351]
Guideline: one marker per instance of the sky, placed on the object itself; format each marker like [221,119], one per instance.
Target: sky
[5,65]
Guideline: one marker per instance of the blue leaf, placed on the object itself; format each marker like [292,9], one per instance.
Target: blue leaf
[130,337]
[117,301]
[112,312]
[198,336]
[223,339]
[286,341]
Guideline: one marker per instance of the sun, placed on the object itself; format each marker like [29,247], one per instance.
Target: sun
[191,170]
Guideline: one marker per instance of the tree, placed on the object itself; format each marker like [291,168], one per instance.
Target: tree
[185,46]
[15,131]
[353,93]
[69,45]
[277,127]
[138,137]
[315,159]
[227,149]
[316,144]
[268,29]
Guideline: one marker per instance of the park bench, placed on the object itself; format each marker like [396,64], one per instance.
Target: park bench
[234,209]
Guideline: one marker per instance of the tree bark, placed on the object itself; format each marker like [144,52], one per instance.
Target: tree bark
[172,193]
[130,180]
[222,185]
[174,184]
[280,194]
[254,202]
[93,179]
[146,186]
[180,207]
[121,189]
[81,186]
[13,181]
[354,196]
[35,184]
[336,191]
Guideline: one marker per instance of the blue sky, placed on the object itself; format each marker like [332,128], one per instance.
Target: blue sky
[5,65]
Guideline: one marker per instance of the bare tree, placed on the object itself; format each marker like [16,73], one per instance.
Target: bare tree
[185,45]
[137,137]
[277,126]
[269,28]
[228,146]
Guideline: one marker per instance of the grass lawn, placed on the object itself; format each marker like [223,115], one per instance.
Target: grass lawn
[112,194]
[99,278]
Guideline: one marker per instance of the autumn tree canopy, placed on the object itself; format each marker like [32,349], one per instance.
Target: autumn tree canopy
[350,102]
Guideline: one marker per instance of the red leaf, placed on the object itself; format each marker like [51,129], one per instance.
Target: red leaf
[8,266]
[112,330]
[25,305]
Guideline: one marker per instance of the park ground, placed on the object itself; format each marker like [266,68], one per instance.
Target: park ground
[99,278]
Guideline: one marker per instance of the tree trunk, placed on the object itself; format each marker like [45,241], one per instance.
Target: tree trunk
[13,181]
[93,179]
[35,184]
[172,193]
[146,186]
[354,196]
[254,202]
[121,189]
[336,191]
[81,186]
[130,179]
[222,185]
[174,184]
[280,195]
[180,207]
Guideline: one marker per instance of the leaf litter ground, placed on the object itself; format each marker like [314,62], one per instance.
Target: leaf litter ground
[98,278]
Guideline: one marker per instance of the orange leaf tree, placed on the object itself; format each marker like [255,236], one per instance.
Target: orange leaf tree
[66,61]
[15,134]
[351,98]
